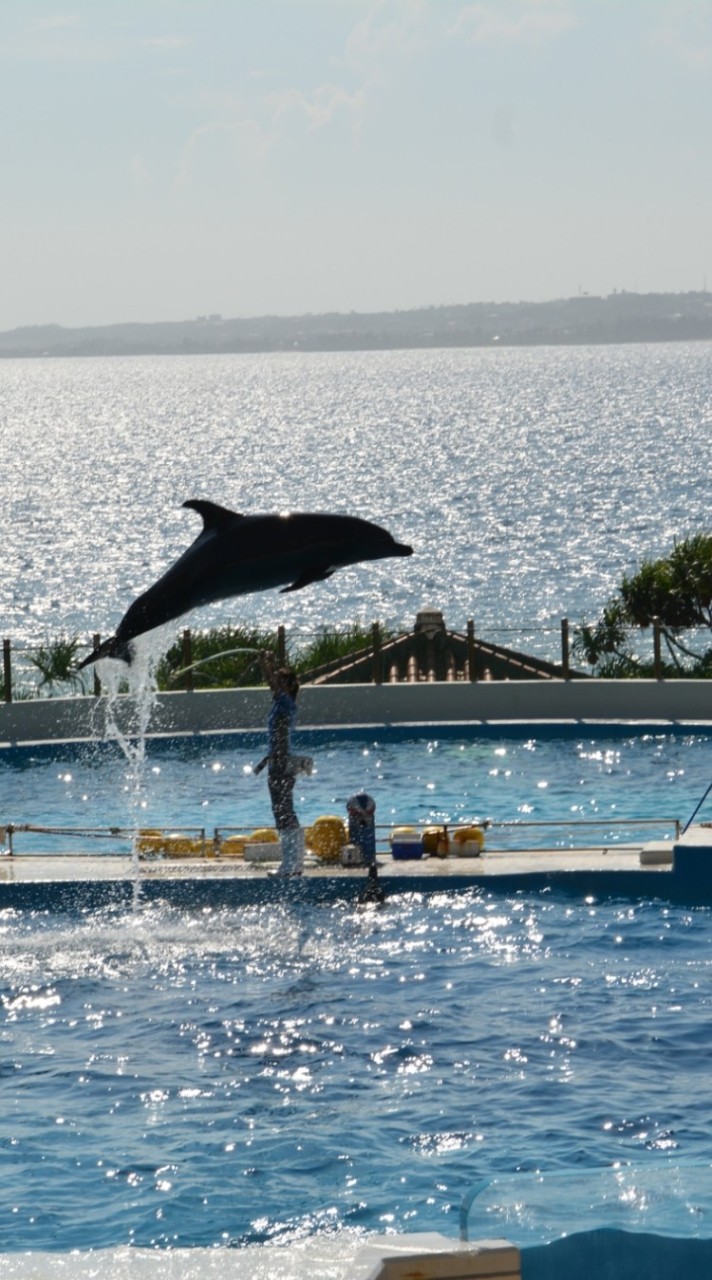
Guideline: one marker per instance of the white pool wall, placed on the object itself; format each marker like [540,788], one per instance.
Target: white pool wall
[529,701]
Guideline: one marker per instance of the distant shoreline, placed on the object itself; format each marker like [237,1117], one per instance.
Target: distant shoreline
[582,320]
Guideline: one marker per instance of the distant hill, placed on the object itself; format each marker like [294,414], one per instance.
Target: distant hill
[619,317]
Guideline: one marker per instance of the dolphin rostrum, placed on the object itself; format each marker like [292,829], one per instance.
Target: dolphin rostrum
[235,555]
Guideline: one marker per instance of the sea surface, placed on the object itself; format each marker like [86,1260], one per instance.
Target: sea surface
[527,481]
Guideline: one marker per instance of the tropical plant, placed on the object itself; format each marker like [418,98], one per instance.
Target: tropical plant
[56,662]
[330,646]
[228,657]
[223,657]
[674,591]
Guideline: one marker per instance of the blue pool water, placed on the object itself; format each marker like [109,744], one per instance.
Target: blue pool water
[285,1073]
[443,774]
[305,1075]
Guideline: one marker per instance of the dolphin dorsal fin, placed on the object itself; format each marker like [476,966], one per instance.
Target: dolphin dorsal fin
[215,518]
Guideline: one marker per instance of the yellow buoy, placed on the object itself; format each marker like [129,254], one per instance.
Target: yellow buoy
[171,844]
[150,840]
[469,841]
[232,847]
[263,835]
[178,846]
[328,837]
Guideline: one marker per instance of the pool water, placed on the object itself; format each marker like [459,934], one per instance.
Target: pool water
[439,775]
[279,1073]
[304,1074]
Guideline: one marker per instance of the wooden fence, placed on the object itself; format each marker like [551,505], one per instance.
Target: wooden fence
[439,654]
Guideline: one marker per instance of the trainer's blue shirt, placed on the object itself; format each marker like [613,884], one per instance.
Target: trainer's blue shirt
[279,727]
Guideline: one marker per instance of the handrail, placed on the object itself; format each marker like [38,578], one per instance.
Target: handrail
[10,829]
[588,822]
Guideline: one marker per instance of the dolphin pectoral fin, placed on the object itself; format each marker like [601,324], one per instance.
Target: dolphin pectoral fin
[308,576]
[216,519]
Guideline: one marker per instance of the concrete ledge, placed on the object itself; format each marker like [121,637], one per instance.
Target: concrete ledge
[487,702]
[656,853]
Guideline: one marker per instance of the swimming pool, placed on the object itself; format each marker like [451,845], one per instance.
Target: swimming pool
[304,1074]
[442,774]
[285,1072]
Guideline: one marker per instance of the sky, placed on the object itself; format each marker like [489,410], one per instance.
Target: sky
[163,159]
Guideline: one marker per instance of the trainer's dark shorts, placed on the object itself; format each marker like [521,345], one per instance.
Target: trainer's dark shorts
[281,794]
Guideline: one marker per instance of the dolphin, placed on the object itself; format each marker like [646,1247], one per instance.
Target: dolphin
[236,554]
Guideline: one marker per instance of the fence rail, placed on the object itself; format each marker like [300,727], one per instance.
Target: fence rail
[30,671]
[188,841]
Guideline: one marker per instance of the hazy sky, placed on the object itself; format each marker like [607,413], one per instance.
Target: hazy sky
[165,158]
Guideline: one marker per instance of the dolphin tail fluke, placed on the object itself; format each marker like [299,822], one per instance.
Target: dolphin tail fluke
[111,648]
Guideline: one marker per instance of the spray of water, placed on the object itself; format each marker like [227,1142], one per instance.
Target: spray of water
[212,657]
[128,706]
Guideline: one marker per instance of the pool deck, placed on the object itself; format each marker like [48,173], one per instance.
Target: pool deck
[490,865]
[675,871]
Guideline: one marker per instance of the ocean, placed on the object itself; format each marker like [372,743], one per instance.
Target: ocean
[527,481]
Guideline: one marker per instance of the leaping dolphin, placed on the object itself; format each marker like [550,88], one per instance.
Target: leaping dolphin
[235,555]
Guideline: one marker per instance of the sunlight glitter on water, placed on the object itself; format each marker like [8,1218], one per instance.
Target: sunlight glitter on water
[210,783]
[607,450]
[254,1038]
[194,1073]
[298,1076]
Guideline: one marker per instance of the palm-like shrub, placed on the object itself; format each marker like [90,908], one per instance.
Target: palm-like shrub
[674,590]
[56,663]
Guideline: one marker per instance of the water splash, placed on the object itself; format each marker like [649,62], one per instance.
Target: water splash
[211,657]
[336,1256]
[129,705]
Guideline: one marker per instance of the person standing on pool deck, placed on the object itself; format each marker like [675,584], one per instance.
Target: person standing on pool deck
[281,775]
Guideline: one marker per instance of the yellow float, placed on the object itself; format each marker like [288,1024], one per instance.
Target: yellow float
[263,835]
[468,842]
[326,837]
[232,847]
[170,844]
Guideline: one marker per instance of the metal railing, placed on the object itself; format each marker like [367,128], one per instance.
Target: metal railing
[129,836]
[25,676]
[187,841]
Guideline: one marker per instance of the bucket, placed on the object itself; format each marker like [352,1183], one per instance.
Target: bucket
[432,838]
[351,856]
[262,846]
[327,837]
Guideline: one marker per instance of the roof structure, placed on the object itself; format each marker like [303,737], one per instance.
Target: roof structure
[431,652]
